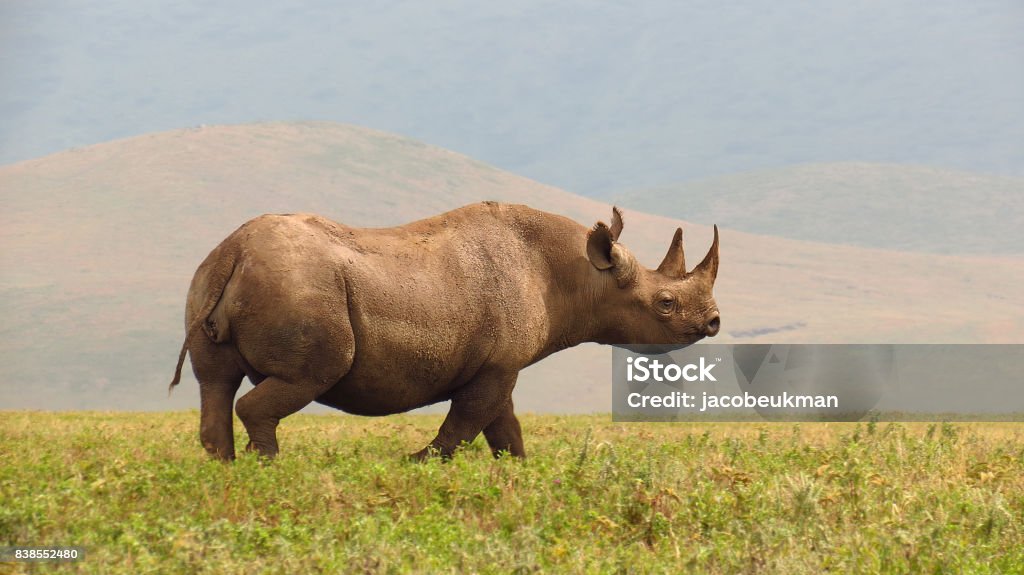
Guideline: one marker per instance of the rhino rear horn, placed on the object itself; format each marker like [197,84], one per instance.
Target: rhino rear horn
[674,264]
[708,267]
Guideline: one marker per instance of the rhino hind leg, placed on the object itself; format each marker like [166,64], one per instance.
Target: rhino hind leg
[504,435]
[298,344]
[475,406]
[219,377]
[264,406]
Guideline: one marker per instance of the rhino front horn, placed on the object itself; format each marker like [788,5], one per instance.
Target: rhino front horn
[708,267]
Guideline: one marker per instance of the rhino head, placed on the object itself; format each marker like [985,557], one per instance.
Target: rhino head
[664,306]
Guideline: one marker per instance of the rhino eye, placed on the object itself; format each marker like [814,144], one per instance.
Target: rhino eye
[666,304]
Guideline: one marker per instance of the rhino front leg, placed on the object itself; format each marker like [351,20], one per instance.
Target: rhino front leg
[474,406]
[505,434]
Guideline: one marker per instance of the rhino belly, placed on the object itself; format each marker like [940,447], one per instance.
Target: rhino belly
[382,396]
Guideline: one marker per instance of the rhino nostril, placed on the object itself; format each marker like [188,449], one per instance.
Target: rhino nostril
[713,324]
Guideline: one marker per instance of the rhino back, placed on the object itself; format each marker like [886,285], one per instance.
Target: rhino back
[433,302]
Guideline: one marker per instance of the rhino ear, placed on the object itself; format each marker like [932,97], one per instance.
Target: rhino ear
[600,240]
[605,254]
[599,246]
[616,223]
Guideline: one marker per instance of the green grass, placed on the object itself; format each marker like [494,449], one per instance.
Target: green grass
[139,494]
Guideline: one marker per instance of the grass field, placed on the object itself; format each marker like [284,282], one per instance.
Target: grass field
[137,492]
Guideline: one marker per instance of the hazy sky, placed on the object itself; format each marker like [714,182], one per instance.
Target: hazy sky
[595,97]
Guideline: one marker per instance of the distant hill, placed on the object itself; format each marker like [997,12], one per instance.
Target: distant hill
[898,207]
[100,243]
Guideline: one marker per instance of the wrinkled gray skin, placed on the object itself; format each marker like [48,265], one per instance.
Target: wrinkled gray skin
[381,321]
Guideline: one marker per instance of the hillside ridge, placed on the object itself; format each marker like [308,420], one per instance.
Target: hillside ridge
[889,206]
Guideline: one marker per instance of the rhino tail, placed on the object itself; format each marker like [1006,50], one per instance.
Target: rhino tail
[223,268]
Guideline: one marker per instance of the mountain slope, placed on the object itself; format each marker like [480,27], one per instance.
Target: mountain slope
[900,207]
[99,246]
